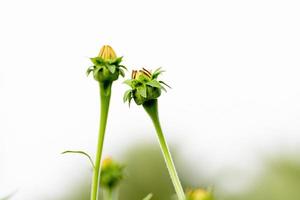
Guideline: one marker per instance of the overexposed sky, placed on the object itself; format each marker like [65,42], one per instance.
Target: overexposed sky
[233,67]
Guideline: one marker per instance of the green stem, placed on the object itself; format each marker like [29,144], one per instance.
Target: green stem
[110,193]
[151,108]
[105,93]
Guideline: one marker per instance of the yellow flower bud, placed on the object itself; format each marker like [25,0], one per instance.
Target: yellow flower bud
[111,173]
[198,194]
[107,53]
[106,162]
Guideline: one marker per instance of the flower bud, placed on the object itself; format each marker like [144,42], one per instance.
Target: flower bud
[107,53]
[199,194]
[107,66]
[111,173]
[144,86]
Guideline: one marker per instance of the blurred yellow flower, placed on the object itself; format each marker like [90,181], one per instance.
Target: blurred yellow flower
[106,162]
[199,194]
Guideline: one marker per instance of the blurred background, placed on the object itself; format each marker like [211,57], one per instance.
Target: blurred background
[232,117]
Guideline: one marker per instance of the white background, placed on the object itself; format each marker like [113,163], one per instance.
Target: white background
[233,67]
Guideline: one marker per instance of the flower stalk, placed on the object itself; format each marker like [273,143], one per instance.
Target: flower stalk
[110,194]
[151,108]
[106,69]
[105,94]
[145,89]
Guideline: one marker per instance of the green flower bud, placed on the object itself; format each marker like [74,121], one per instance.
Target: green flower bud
[107,66]
[144,86]
[111,173]
[199,194]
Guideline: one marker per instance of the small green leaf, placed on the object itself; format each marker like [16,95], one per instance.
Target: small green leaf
[96,70]
[157,72]
[122,73]
[154,83]
[83,153]
[129,100]
[148,197]
[127,95]
[142,90]
[163,88]
[165,84]
[97,61]
[111,68]
[128,82]
[122,66]
[89,70]
[116,61]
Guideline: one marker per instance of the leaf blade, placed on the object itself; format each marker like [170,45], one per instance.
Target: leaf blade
[80,152]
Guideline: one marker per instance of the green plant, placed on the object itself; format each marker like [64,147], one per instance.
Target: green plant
[106,69]
[145,88]
[111,175]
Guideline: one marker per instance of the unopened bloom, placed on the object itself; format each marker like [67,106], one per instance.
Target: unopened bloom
[144,86]
[111,173]
[107,53]
[106,69]
[107,66]
[145,90]
[199,194]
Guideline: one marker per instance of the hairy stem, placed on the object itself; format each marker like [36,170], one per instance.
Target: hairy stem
[151,108]
[105,93]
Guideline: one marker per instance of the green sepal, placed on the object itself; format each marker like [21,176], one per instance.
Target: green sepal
[163,88]
[106,70]
[89,70]
[157,72]
[153,93]
[139,100]
[122,66]
[96,71]
[142,90]
[164,84]
[154,83]
[129,82]
[116,61]
[98,61]
[122,73]
[127,95]
[111,68]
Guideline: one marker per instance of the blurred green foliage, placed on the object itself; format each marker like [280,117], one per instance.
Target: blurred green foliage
[280,180]
[145,173]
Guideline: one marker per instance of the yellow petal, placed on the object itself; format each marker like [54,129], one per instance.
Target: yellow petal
[107,53]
